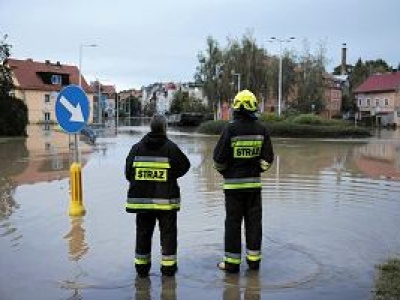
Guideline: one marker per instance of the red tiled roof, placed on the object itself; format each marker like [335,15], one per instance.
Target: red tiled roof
[108,89]
[27,74]
[170,86]
[380,83]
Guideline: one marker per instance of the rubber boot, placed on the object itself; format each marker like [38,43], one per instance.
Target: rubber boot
[143,269]
[228,267]
[169,270]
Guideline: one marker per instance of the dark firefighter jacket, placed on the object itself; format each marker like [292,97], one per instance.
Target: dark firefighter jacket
[152,168]
[243,151]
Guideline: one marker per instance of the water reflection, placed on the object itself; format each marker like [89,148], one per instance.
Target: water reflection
[77,248]
[76,239]
[328,220]
[12,154]
[236,285]
[379,160]
[143,288]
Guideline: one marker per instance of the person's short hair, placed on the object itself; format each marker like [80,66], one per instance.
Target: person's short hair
[158,124]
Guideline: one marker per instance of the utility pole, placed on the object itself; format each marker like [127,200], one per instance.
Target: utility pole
[280,41]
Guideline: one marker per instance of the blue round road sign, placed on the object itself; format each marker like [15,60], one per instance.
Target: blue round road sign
[72,108]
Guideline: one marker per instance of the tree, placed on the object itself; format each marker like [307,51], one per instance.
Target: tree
[150,108]
[310,81]
[209,71]
[135,106]
[13,111]
[219,70]
[6,83]
[183,102]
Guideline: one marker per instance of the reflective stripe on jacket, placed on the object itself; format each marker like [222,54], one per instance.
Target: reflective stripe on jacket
[147,203]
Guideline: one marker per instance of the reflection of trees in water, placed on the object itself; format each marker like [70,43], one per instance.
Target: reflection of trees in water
[12,152]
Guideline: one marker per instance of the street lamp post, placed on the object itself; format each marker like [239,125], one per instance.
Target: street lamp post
[76,158]
[238,76]
[80,60]
[280,41]
[99,104]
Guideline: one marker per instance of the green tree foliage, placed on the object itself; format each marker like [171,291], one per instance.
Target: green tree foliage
[135,106]
[221,69]
[13,112]
[6,84]
[209,71]
[183,102]
[310,81]
[150,108]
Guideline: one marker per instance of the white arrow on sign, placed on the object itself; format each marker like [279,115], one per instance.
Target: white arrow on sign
[76,111]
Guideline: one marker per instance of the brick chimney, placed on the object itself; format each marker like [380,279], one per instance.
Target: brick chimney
[343,68]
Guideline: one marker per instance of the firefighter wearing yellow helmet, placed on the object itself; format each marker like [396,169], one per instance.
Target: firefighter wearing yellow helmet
[245,100]
[242,153]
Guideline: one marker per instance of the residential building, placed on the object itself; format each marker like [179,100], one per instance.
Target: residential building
[38,84]
[332,95]
[163,94]
[107,95]
[124,102]
[378,97]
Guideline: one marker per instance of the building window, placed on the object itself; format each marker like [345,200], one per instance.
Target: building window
[47,117]
[376,102]
[359,101]
[386,102]
[47,98]
[368,102]
[55,79]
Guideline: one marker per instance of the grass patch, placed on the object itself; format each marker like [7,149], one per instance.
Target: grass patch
[387,284]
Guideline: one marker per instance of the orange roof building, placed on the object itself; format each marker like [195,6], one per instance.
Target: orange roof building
[38,83]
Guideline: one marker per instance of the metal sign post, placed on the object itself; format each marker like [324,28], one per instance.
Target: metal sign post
[72,112]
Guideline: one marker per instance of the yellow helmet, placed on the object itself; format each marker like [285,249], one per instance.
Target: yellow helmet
[246,99]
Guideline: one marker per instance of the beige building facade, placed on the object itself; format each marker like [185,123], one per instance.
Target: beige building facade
[38,84]
[378,97]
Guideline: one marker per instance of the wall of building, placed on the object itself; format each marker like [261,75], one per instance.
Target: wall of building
[38,107]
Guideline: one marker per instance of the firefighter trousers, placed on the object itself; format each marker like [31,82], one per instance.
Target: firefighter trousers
[243,206]
[145,224]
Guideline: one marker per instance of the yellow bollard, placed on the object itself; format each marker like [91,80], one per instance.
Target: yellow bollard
[76,207]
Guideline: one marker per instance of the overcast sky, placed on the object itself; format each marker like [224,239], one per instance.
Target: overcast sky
[142,42]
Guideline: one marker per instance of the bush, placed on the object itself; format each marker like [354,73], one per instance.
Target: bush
[270,117]
[292,130]
[13,117]
[307,119]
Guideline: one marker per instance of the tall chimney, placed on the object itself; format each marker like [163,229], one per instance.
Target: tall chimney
[343,68]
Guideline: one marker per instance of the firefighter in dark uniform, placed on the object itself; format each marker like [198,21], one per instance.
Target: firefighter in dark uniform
[152,168]
[243,151]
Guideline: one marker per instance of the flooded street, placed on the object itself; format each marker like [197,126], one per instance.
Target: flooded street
[331,212]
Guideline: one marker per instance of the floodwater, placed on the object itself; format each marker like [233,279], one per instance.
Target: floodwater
[331,213]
